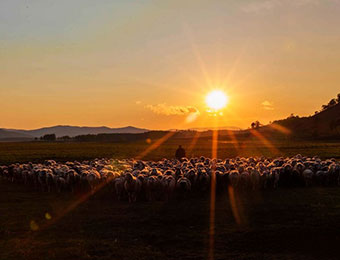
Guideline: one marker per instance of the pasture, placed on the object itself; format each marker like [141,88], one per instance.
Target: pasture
[287,223]
[300,223]
[69,151]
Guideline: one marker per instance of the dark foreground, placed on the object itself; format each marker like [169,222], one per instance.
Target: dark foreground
[284,224]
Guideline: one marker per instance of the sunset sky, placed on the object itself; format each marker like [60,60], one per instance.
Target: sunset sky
[151,63]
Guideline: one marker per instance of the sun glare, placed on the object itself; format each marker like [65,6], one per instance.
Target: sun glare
[216,100]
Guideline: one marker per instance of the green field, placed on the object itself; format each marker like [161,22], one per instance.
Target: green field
[39,151]
[284,224]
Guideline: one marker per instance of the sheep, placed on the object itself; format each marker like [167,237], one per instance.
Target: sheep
[93,178]
[72,179]
[61,184]
[234,178]
[50,181]
[119,187]
[254,179]
[169,184]
[274,177]
[132,187]
[154,180]
[152,187]
[191,175]
[308,177]
[203,181]
[183,185]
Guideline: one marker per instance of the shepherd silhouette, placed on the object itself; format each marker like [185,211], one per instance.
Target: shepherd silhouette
[180,153]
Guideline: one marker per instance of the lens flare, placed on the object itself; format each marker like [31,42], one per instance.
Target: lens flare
[34,226]
[216,100]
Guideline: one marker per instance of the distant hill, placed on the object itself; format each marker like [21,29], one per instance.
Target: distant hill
[324,124]
[13,136]
[72,131]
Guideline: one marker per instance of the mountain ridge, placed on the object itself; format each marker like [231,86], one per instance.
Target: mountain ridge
[68,130]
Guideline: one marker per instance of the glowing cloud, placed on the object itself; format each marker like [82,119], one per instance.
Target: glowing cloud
[164,109]
[267,105]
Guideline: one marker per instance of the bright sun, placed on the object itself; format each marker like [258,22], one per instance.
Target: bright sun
[216,99]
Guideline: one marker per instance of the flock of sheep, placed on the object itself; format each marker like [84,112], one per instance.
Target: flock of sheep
[134,180]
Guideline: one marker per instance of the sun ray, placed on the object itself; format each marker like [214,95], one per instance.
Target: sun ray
[234,208]
[199,60]
[155,145]
[265,141]
[234,140]
[237,61]
[193,142]
[213,191]
[280,128]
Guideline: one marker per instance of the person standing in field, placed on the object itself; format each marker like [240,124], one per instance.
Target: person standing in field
[180,153]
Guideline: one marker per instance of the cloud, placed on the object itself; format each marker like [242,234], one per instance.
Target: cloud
[164,109]
[138,102]
[265,5]
[267,105]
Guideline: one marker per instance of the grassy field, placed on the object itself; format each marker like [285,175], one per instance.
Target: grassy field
[284,224]
[39,151]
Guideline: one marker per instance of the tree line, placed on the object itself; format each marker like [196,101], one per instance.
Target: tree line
[331,103]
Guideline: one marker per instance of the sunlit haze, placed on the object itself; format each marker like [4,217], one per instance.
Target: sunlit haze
[151,64]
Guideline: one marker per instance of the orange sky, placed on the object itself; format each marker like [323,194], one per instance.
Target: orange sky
[150,64]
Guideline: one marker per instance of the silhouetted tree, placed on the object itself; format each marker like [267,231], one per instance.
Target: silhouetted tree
[66,137]
[292,116]
[332,102]
[255,125]
[49,137]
